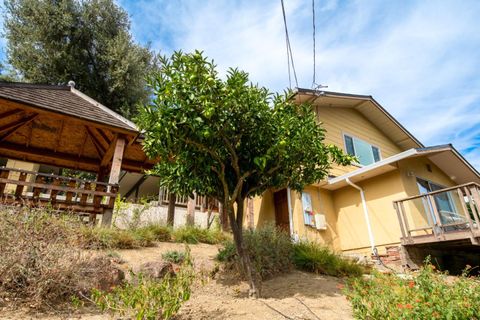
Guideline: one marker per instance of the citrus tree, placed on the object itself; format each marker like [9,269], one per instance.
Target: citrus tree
[229,139]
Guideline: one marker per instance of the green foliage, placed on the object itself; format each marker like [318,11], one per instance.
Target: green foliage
[146,299]
[159,232]
[215,135]
[174,256]
[88,42]
[313,257]
[428,295]
[112,238]
[269,249]
[194,235]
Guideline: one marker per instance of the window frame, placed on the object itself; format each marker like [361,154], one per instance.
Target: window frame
[352,136]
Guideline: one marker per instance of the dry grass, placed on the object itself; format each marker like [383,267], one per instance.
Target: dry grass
[41,262]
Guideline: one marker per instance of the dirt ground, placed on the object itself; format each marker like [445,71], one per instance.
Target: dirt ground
[297,295]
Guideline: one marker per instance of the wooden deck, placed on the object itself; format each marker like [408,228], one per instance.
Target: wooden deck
[34,189]
[423,220]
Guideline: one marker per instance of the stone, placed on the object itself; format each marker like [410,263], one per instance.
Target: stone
[156,269]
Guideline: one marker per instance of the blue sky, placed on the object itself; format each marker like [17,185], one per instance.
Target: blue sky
[419,59]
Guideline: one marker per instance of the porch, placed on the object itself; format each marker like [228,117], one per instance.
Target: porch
[34,189]
[443,224]
[447,214]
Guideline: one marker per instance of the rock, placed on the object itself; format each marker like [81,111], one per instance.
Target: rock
[156,269]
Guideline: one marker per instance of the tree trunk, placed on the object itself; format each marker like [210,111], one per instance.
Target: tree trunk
[172,198]
[236,224]
[223,215]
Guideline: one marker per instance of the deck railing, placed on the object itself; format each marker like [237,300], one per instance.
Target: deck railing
[437,215]
[22,187]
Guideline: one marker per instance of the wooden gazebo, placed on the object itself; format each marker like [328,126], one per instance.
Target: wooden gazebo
[62,127]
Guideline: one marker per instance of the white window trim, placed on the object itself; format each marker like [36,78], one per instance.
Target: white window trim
[356,137]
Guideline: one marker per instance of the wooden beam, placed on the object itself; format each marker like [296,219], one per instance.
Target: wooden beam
[107,156]
[8,129]
[9,113]
[45,155]
[103,135]
[67,160]
[59,136]
[29,135]
[117,161]
[82,147]
[100,149]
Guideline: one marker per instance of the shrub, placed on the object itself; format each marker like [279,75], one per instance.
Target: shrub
[174,256]
[429,295]
[112,238]
[194,235]
[145,298]
[40,262]
[269,248]
[313,257]
[159,232]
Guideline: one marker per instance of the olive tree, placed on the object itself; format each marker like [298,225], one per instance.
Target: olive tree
[229,139]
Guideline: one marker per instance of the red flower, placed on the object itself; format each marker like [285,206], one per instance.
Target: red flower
[408,306]
[411,284]
[400,306]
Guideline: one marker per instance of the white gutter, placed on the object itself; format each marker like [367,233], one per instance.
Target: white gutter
[365,169]
[365,212]
[290,213]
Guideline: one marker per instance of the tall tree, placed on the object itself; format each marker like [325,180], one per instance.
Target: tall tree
[230,140]
[89,42]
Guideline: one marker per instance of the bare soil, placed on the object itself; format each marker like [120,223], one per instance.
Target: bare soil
[296,295]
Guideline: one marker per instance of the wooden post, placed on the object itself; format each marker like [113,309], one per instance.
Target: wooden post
[400,220]
[437,215]
[19,189]
[191,203]
[114,177]
[3,175]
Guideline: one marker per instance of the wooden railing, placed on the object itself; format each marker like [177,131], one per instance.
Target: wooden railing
[446,214]
[201,202]
[36,189]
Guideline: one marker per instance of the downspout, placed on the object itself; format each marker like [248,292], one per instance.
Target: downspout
[290,213]
[365,212]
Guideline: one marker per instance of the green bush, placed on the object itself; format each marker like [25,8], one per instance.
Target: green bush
[174,256]
[313,257]
[428,295]
[159,232]
[146,298]
[269,248]
[112,238]
[194,235]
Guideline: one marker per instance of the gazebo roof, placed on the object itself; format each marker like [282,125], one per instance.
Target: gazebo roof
[61,126]
[64,100]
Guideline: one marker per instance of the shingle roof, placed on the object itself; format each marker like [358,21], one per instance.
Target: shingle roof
[65,100]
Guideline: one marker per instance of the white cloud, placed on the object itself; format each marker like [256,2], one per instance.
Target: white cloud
[420,60]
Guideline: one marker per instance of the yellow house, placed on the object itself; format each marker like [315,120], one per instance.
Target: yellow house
[354,210]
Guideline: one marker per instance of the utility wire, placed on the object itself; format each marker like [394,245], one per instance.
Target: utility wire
[289,49]
[314,83]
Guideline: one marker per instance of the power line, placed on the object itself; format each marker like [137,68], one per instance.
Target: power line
[313,22]
[289,49]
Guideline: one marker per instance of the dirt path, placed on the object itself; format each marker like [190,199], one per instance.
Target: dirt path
[297,295]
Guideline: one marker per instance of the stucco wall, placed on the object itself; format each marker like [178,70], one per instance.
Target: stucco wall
[153,214]
[337,121]
[379,193]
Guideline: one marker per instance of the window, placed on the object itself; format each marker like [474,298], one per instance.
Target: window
[443,202]
[365,152]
